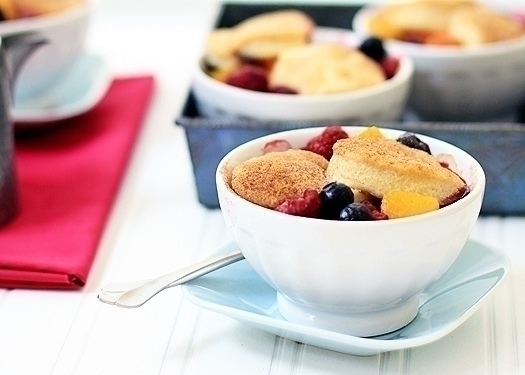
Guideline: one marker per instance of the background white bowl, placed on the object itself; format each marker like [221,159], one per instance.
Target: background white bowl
[382,102]
[474,84]
[359,278]
[66,34]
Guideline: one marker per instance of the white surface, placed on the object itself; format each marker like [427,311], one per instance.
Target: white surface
[157,226]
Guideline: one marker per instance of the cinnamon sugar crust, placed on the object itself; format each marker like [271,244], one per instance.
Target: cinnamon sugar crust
[269,179]
[382,165]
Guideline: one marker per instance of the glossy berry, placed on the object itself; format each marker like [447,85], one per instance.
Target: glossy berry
[306,206]
[373,48]
[283,90]
[390,65]
[375,211]
[323,143]
[249,77]
[410,140]
[334,197]
[334,133]
[355,212]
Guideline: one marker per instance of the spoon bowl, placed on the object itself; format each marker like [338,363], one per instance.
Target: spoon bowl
[132,294]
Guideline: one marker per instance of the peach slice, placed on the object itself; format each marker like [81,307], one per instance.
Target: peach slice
[397,203]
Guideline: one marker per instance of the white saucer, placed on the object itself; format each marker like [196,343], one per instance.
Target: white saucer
[237,291]
[83,86]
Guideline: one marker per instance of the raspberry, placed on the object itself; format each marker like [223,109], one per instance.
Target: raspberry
[283,90]
[249,77]
[374,211]
[321,147]
[323,143]
[390,66]
[308,205]
[334,132]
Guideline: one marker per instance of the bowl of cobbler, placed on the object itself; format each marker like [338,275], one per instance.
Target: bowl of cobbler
[280,66]
[349,224]
[469,57]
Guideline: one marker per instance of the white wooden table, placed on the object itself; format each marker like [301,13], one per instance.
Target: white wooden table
[157,225]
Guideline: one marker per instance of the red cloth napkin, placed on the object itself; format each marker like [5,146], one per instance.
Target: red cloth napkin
[68,176]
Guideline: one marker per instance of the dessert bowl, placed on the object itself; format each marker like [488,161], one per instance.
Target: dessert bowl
[361,278]
[469,84]
[65,31]
[382,102]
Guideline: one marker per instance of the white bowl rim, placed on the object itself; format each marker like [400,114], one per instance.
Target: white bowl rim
[46,20]
[473,194]
[415,50]
[404,73]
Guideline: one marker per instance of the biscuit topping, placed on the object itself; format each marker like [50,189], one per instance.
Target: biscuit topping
[275,52]
[324,69]
[369,177]
[269,179]
[438,22]
[380,165]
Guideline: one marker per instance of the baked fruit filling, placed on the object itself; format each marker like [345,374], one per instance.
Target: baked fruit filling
[274,52]
[350,178]
[14,9]
[450,23]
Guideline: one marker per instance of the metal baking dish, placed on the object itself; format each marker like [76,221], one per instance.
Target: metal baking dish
[499,146]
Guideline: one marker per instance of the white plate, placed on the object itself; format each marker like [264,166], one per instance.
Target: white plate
[237,291]
[81,88]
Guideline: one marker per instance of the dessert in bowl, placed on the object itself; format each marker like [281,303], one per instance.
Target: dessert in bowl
[357,269]
[469,59]
[262,70]
[63,23]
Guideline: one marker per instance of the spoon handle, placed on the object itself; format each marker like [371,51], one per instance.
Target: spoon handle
[142,293]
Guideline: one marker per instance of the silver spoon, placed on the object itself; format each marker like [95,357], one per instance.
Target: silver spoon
[136,293]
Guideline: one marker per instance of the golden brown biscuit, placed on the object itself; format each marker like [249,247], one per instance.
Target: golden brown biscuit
[29,8]
[476,25]
[394,20]
[466,22]
[269,179]
[381,165]
[263,35]
[7,10]
[322,68]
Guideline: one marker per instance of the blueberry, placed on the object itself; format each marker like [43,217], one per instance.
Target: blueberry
[410,140]
[355,212]
[334,197]
[373,48]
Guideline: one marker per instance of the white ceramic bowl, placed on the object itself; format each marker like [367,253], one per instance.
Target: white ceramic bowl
[475,84]
[359,278]
[383,102]
[66,35]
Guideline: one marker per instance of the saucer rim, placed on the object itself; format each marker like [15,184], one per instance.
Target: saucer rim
[28,118]
[341,342]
